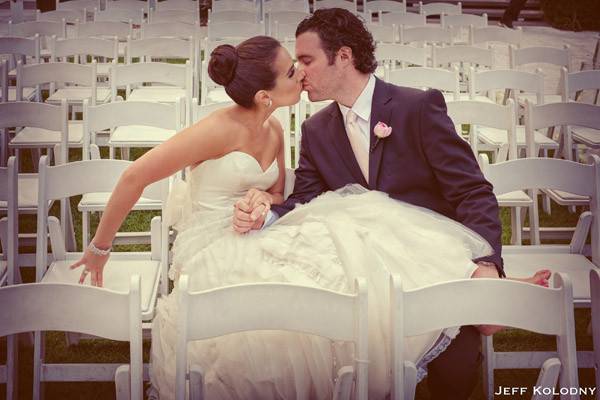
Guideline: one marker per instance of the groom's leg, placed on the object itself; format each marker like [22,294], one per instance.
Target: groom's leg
[454,373]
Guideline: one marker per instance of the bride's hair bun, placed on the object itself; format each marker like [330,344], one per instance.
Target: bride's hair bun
[223,63]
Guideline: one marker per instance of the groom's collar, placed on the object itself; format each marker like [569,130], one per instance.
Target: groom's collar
[362,105]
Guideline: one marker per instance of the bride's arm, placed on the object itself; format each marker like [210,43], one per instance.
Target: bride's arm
[190,146]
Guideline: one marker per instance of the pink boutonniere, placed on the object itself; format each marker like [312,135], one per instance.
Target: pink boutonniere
[382,131]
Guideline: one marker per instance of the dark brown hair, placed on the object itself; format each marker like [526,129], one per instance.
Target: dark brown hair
[337,27]
[245,69]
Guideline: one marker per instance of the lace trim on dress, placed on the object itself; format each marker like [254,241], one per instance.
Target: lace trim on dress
[441,345]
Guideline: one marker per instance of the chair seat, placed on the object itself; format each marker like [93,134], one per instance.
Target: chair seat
[578,267]
[28,94]
[96,202]
[117,273]
[76,95]
[498,137]
[157,94]
[517,198]
[567,199]
[138,135]
[548,98]
[588,136]
[28,192]
[29,137]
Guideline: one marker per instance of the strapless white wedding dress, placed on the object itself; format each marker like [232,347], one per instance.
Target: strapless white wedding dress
[327,243]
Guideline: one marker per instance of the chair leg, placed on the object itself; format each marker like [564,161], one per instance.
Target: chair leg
[3,147]
[516,226]
[12,365]
[85,229]
[111,152]
[534,228]
[343,383]
[69,232]
[487,344]
[122,383]
[124,153]
[37,365]
[547,378]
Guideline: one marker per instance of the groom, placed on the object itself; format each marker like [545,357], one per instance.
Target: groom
[422,161]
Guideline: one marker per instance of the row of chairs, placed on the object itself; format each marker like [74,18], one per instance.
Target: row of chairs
[412,308]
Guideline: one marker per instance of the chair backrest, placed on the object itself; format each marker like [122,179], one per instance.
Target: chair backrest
[551,173]
[108,29]
[287,17]
[21,46]
[131,5]
[578,81]
[558,114]
[424,77]
[60,49]
[470,55]
[273,306]
[80,177]
[9,181]
[57,73]
[490,115]
[119,15]
[232,16]
[155,72]
[425,34]
[401,53]
[350,5]
[160,48]
[3,81]
[540,54]
[407,20]
[78,308]
[271,6]
[283,32]
[382,33]
[227,30]
[518,81]
[484,301]
[464,20]
[440,8]
[79,5]
[496,34]
[175,16]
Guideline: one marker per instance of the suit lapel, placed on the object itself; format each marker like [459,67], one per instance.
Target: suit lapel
[381,111]
[340,141]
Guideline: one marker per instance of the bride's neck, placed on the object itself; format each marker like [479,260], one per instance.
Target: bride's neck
[253,118]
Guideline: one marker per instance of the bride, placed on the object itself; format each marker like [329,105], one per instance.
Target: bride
[326,243]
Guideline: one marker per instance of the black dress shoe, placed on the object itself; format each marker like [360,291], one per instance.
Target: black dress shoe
[507,24]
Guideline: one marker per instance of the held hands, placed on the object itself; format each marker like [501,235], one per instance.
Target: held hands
[93,265]
[250,211]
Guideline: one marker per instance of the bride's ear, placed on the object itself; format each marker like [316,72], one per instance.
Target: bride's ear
[263,99]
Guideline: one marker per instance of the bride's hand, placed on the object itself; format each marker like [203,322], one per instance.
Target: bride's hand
[93,264]
[259,202]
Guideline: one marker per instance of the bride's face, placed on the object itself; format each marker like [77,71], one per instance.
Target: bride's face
[288,84]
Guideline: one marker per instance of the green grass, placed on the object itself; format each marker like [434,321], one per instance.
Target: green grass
[116,352]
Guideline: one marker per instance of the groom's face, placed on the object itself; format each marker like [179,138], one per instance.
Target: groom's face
[321,78]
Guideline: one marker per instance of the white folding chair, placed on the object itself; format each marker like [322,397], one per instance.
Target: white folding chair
[26,50]
[186,5]
[133,5]
[168,29]
[106,29]
[425,35]
[231,30]
[78,5]
[382,33]
[70,16]
[123,15]
[549,56]
[576,83]
[563,175]
[9,264]
[495,34]
[274,306]
[563,116]
[242,5]
[270,6]
[131,124]
[485,301]
[282,24]
[350,5]
[423,77]
[380,7]
[462,57]
[45,30]
[72,307]
[396,55]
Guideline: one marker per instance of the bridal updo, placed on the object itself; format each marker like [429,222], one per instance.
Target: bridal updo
[245,69]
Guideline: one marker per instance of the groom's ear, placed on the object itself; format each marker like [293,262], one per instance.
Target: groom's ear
[345,55]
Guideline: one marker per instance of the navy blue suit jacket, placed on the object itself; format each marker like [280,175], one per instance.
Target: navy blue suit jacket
[423,162]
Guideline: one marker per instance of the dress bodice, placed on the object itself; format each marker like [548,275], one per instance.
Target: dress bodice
[216,184]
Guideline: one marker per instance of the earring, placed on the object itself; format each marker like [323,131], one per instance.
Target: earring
[270,103]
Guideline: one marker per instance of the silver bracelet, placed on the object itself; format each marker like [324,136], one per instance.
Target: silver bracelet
[99,252]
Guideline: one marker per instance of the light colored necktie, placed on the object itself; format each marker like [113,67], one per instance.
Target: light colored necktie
[357,141]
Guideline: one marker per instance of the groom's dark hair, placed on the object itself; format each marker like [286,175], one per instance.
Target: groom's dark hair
[337,27]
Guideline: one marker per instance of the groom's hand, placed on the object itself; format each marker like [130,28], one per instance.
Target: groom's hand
[243,218]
